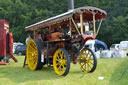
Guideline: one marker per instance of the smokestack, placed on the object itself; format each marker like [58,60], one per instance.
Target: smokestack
[70,5]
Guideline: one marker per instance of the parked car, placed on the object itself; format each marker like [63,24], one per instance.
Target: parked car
[116,50]
[124,46]
[16,44]
[114,47]
[20,50]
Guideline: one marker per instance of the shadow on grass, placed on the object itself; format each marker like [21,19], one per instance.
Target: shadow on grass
[19,74]
[117,73]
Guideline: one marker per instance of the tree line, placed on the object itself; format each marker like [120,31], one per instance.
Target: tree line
[21,13]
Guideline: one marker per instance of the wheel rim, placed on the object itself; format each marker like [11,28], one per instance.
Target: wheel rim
[32,55]
[59,62]
[86,60]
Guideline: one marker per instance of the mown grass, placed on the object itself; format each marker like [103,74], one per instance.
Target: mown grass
[110,69]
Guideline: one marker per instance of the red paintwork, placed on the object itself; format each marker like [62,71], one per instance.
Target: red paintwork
[11,47]
[89,16]
[87,37]
[4,28]
[6,49]
[10,43]
[36,36]
[2,63]
[48,37]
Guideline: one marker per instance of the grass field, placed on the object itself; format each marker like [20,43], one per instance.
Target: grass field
[110,69]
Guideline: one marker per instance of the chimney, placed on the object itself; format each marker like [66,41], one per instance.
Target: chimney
[70,5]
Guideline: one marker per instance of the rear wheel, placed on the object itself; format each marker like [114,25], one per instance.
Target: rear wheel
[61,62]
[33,54]
[87,60]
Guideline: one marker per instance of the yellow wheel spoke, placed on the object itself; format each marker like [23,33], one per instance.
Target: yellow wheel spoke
[87,55]
[30,52]
[59,62]
[89,60]
[61,55]
[91,63]
[32,55]
[82,56]
[36,55]
[64,62]
[82,65]
[57,59]
[90,55]
[63,68]
[88,67]
[57,56]
[85,66]
[59,68]
[31,47]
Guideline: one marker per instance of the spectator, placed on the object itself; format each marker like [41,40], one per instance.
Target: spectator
[27,39]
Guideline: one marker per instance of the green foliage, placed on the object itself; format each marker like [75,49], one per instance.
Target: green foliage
[21,13]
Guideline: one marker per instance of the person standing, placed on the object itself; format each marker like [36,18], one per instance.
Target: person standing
[27,39]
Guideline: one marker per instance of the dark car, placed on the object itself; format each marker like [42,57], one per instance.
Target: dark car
[20,50]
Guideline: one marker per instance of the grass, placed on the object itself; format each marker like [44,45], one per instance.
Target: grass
[110,69]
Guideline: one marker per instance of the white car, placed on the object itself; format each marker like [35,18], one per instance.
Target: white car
[124,47]
[114,47]
[121,51]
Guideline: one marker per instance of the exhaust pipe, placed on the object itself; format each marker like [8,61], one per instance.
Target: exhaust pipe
[70,5]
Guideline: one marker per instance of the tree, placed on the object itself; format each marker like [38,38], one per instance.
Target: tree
[21,13]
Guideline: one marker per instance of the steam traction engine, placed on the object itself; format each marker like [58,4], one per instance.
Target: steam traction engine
[6,42]
[60,40]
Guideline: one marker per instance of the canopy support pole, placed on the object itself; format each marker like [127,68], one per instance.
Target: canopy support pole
[76,26]
[94,26]
[81,22]
[99,26]
[70,26]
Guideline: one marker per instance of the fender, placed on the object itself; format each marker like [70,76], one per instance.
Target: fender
[87,37]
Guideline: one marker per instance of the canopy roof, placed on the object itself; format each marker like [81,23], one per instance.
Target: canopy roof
[87,12]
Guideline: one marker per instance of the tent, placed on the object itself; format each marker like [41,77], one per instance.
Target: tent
[96,45]
[100,45]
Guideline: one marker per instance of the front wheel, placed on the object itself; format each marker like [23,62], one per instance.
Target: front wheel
[87,60]
[61,62]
